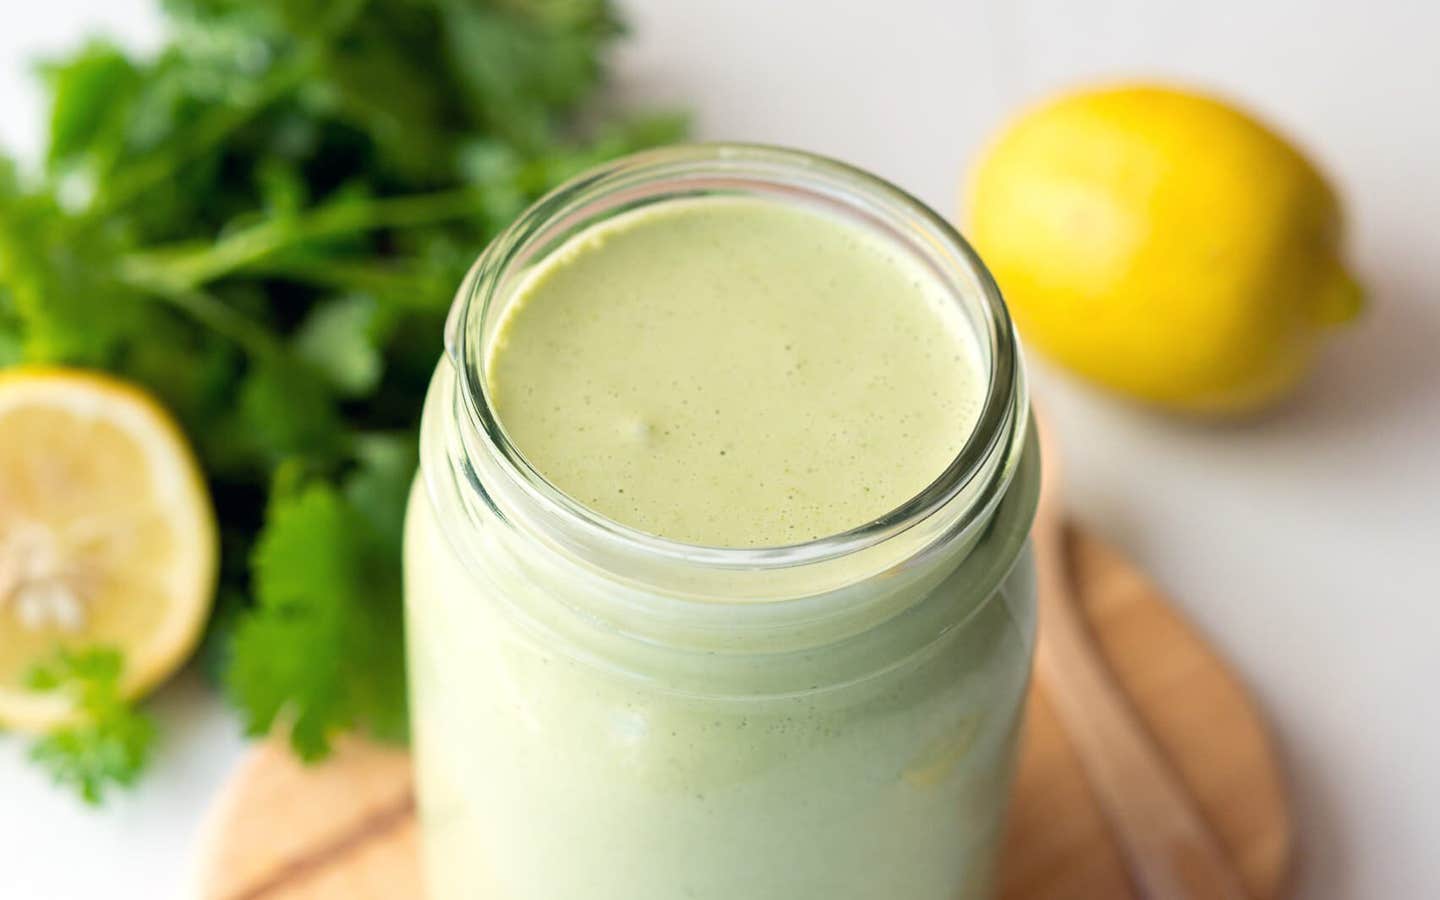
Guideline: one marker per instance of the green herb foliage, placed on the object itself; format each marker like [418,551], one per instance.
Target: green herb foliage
[264,223]
[110,741]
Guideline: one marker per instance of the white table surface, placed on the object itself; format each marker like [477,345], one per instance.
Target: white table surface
[1306,545]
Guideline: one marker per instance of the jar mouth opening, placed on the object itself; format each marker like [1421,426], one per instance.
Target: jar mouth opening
[719,169]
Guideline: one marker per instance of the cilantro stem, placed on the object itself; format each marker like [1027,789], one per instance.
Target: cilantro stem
[183,269]
[177,276]
[220,317]
[400,282]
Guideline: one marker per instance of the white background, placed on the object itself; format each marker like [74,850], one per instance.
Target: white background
[1307,545]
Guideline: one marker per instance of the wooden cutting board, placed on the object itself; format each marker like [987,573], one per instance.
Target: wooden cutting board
[346,830]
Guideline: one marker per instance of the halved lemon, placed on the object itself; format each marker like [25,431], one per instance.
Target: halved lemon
[107,535]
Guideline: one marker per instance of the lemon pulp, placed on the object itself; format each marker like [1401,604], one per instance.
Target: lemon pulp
[107,537]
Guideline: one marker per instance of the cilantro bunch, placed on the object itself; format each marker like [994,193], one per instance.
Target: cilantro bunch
[264,223]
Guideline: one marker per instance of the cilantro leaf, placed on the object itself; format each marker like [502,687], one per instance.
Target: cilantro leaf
[92,92]
[110,743]
[322,650]
[57,272]
[339,340]
[285,411]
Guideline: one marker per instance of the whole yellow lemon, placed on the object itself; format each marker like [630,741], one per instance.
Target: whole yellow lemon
[1164,244]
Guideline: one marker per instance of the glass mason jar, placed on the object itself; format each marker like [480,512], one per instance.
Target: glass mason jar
[602,714]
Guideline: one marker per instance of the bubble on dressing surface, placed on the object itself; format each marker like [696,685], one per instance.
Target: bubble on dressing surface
[681,370]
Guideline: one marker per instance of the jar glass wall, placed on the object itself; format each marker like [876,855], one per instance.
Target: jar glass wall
[605,714]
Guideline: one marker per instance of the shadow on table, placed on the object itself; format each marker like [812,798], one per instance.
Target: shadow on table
[1386,365]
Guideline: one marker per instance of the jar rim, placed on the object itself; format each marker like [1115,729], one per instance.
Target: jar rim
[697,169]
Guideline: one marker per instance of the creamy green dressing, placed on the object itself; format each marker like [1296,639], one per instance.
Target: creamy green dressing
[735,372]
[726,372]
